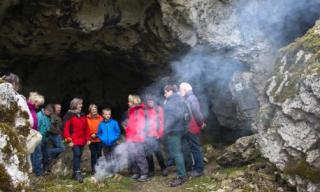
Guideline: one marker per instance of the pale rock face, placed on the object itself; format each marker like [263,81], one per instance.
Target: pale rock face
[293,131]
[12,151]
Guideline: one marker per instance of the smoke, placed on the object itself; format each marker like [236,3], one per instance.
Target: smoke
[243,41]
[112,162]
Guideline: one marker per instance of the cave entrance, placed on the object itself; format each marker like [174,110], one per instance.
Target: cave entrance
[97,78]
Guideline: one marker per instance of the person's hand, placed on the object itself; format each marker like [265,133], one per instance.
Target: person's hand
[70,144]
[203,125]
[88,142]
[93,136]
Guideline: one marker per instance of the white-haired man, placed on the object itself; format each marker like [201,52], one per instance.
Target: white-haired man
[195,125]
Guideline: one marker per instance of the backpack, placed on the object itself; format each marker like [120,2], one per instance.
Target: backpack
[186,114]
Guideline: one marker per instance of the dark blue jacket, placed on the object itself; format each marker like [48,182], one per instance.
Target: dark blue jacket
[174,109]
[108,132]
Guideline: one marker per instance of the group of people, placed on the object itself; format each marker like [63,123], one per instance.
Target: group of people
[177,122]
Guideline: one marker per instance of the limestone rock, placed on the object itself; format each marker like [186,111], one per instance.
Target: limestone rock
[242,152]
[292,133]
[62,166]
[13,132]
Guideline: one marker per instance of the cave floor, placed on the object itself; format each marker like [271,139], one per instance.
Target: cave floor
[257,176]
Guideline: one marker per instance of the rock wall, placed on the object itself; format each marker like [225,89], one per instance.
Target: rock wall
[288,126]
[14,128]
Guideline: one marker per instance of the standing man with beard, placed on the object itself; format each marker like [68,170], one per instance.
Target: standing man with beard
[55,133]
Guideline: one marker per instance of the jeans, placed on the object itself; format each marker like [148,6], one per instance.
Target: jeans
[77,153]
[175,143]
[58,146]
[45,156]
[170,154]
[138,158]
[194,143]
[36,160]
[153,147]
[95,149]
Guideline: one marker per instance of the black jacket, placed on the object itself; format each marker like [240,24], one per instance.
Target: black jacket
[174,110]
[194,105]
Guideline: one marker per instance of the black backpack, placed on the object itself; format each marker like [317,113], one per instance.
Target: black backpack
[186,114]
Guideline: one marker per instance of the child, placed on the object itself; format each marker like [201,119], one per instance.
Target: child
[108,133]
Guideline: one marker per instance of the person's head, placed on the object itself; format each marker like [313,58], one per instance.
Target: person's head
[36,99]
[134,100]
[76,104]
[150,101]
[106,113]
[93,109]
[184,88]
[57,108]
[48,110]
[14,80]
[169,90]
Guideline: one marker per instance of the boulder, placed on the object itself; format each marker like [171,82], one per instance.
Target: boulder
[242,152]
[288,126]
[14,129]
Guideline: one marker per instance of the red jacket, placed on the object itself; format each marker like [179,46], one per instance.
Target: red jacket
[136,124]
[76,130]
[154,121]
[197,118]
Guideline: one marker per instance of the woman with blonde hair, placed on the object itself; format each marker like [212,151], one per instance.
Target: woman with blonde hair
[35,100]
[76,133]
[135,138]
[94,119]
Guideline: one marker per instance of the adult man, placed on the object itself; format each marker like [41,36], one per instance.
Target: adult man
[55,133]
[174,129]
[195,125]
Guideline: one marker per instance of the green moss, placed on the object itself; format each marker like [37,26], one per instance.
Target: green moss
[303,169]
[5,180]
[8,115]
[311,40]
[14,143]
[63,184]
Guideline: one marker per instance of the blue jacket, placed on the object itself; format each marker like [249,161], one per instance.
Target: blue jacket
[44,123]
[108,132]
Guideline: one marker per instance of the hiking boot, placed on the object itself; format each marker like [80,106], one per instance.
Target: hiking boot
[78,177]
[164,172]
[135,176]
[195,173]
[143,178]
[178,181]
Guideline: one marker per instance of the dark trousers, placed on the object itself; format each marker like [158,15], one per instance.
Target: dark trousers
[45,156]
[170,154]
[57,148]
[111,158]
[152,146]
[175,141]
[138,158]
[77,153]
[36,160]
[95,149]
[194,144]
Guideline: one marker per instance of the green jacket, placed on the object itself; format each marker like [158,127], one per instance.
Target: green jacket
[44,123]
[56,126]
